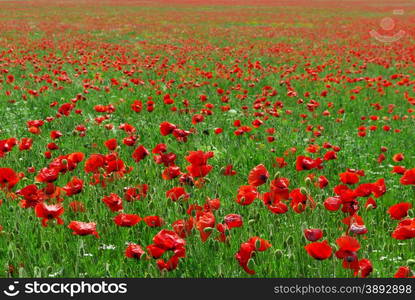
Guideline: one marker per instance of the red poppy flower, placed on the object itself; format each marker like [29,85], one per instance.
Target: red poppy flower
[177,193]
[140,153]
[398,170]
[313,234]
[212,204]
[76,157]
[198,118]
[346,195]
[159,149]
[167,159]
[247,251]
[307,163]
[47,175]
[243,256]
[127,128]
[370,203]
[49,212]
[398,157]
[82,228]
[167,128]
[135,193]
[113,201]
[94,162]
[281,162]
[155,251]
[167,240]
[319,250]
[364,268]
[171,172]
[364,190]
[381,158]
[129,140]
[403,272]
[52,146]
[32,196]
[349,178]
[187,179]
[399,211]
[355,224]
[25,144]
[322,182]
[405,230]
[258,176]
[180,134]
[233,221]
[259,243]
[8,178]
[246,194]
[183,227]
[126,220]
[277,207]
[134,251]
[77,206]
[223,232]
[379,188]
[299,200]
[55,134]
[348,246]
[205,223]
[153,221]
[229,171]
[115,165]
[348,243]
[74,186]
[111,144]
[330,155]
[169,265]
[199,171]
[137,106]
[199,158]
[279,189]
[408,177]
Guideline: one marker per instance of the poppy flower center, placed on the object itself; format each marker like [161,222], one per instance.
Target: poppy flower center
[263,177]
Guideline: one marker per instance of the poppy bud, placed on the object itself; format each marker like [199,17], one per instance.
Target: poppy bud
[208,229]
[251,263]
[11,253]
[257,244]
[303,190]
[22,272]
[46,245]
[369,207]
[277,175]
[308,181]
[410,262]
[278,253]
[289,240]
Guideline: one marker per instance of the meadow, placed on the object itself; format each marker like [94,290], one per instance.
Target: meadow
[207,138]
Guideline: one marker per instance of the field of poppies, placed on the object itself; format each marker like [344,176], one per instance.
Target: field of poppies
[207,138]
